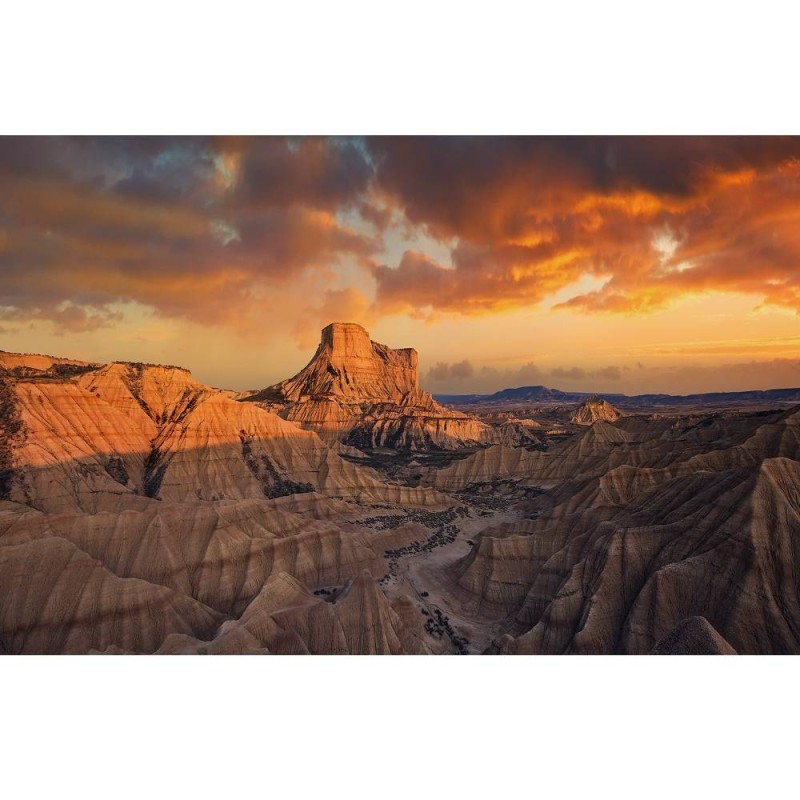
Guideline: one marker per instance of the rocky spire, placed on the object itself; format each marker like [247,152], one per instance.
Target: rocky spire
[348,365]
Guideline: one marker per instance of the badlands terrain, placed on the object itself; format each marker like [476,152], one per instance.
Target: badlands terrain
[346,510]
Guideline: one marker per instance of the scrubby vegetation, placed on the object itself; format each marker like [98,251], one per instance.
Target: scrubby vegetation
[273,484]
[438,625]
[115,467]
[406,466]
[53,374]
[492,496]
[155,465]
[11,431]
[430,519]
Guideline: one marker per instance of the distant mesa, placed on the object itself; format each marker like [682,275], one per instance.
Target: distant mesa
[594,409]
[546,397]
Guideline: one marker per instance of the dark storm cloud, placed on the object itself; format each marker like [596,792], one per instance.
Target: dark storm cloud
[441,178]
[276,172]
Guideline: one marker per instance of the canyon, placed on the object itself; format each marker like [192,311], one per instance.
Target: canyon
[346,511]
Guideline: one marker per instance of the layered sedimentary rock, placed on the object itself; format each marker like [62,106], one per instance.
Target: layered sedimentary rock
[622,554]
[138,504]
[490,464]
[594,409]
[286,618]
[80,582]
[630,445]
[20,364]
[365,394]
[694,636]
[121,435]
[55,598]
[142,512]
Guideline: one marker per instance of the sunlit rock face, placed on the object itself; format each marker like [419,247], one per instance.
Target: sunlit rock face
[349,366]
[121,435]
[594,409]
[144,512]
[362,393]
[140,507]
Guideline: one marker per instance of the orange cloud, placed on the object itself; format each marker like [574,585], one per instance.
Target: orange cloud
[211,230]
[199,229]
[532,218]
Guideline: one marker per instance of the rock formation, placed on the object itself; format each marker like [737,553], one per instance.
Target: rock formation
[143,512]
[20,364]
[117,436]
[286,618]
[593,409]
[695,636]
[365,394]
[662,526]
[139,505]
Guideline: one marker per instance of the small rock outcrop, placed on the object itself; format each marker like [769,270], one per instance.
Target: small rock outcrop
[593,409]
[694,636]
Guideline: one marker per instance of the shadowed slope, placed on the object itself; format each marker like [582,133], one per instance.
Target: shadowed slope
[613,568]
[693,637]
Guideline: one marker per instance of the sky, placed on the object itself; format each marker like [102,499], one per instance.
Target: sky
[612,264]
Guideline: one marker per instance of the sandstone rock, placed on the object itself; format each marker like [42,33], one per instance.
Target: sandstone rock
[693,637]
[593,409]
[26,363]
[348,365]
[123,435]
[147,508]
[142,512]
[285,618]
[367,395]
[627,565]
[54,598]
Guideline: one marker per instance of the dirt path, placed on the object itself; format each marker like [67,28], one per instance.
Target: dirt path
[424,571]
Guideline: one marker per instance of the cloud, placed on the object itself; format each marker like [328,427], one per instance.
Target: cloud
[479,188]
[669,379]
[443,371]
[732,377]
[443,376]
[464,376]
[278,172]
[224,232]
[462,369]
[610,373]
[215,230]
[484,279]
[651,219]
[208,230]
[571,374]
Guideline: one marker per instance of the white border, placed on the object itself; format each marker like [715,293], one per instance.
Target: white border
[410,727]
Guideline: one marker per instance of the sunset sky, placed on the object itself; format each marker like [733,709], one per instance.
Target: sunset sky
[628,264]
